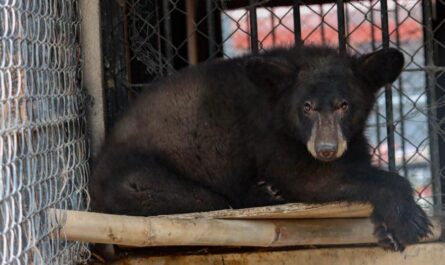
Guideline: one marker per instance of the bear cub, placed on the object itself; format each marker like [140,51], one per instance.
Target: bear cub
[286,125]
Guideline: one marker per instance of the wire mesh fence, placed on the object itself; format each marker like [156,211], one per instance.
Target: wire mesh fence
[43,146]
[156,38]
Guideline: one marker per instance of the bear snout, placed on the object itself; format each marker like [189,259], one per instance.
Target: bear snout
[326,143]
[326,151]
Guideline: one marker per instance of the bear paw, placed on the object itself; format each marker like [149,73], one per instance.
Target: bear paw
[403,228]
[386,238]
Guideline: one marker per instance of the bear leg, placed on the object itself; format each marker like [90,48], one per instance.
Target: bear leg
[141,185]
[398,219]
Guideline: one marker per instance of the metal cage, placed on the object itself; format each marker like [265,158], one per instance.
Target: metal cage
[44,150]
[405,130]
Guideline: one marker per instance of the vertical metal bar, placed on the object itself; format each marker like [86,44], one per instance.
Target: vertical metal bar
[322,30]
[253,27]
[126,43]
[377,106]
[346,23]
[384,21]
[341,26]
[388,91]
[159,42]
[107,16]
[431,99]
[168,34]
[116,94]
[401,107]
[371,18]
[272,23]
[211,28]
[297,21]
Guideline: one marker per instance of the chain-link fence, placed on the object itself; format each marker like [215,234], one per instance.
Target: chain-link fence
[43,146]
[149,39]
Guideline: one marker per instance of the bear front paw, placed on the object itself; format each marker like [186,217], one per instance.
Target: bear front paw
[387,239]
[405,225]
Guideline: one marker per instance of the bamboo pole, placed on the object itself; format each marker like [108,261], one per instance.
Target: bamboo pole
[159,231]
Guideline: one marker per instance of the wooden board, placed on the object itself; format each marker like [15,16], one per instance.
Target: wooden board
[420,254]
[287,211]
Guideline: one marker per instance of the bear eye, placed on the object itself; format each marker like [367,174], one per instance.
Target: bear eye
[307,107]
[344,106]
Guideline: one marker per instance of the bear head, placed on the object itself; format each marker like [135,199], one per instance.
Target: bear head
[323,98]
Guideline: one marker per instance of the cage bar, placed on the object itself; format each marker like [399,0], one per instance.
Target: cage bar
[341,26]
[433,118]
[322,25]
[400,94]
[377,106]
[211,28]
[297,21]
[253,27]
[388,91]
[168,35]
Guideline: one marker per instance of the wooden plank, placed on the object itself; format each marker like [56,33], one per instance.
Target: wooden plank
[288,211]
[159,231]
[420,254]
[93,72]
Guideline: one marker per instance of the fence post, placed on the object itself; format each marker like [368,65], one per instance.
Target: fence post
[93,72]
[436,70]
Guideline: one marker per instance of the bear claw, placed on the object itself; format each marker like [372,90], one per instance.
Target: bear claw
[387,239]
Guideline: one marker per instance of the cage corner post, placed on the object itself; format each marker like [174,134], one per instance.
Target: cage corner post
[92,69]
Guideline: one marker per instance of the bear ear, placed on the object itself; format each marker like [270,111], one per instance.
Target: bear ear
[380,67]
[270,73]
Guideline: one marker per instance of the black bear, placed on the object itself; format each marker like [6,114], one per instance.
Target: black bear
[286,125]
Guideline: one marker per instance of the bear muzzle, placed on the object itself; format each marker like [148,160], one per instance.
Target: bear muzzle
[326,142]
[326,151]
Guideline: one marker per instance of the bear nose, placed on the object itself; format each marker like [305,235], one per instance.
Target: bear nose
[326,151]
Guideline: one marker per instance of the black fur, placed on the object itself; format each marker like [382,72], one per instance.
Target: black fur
[221,134]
